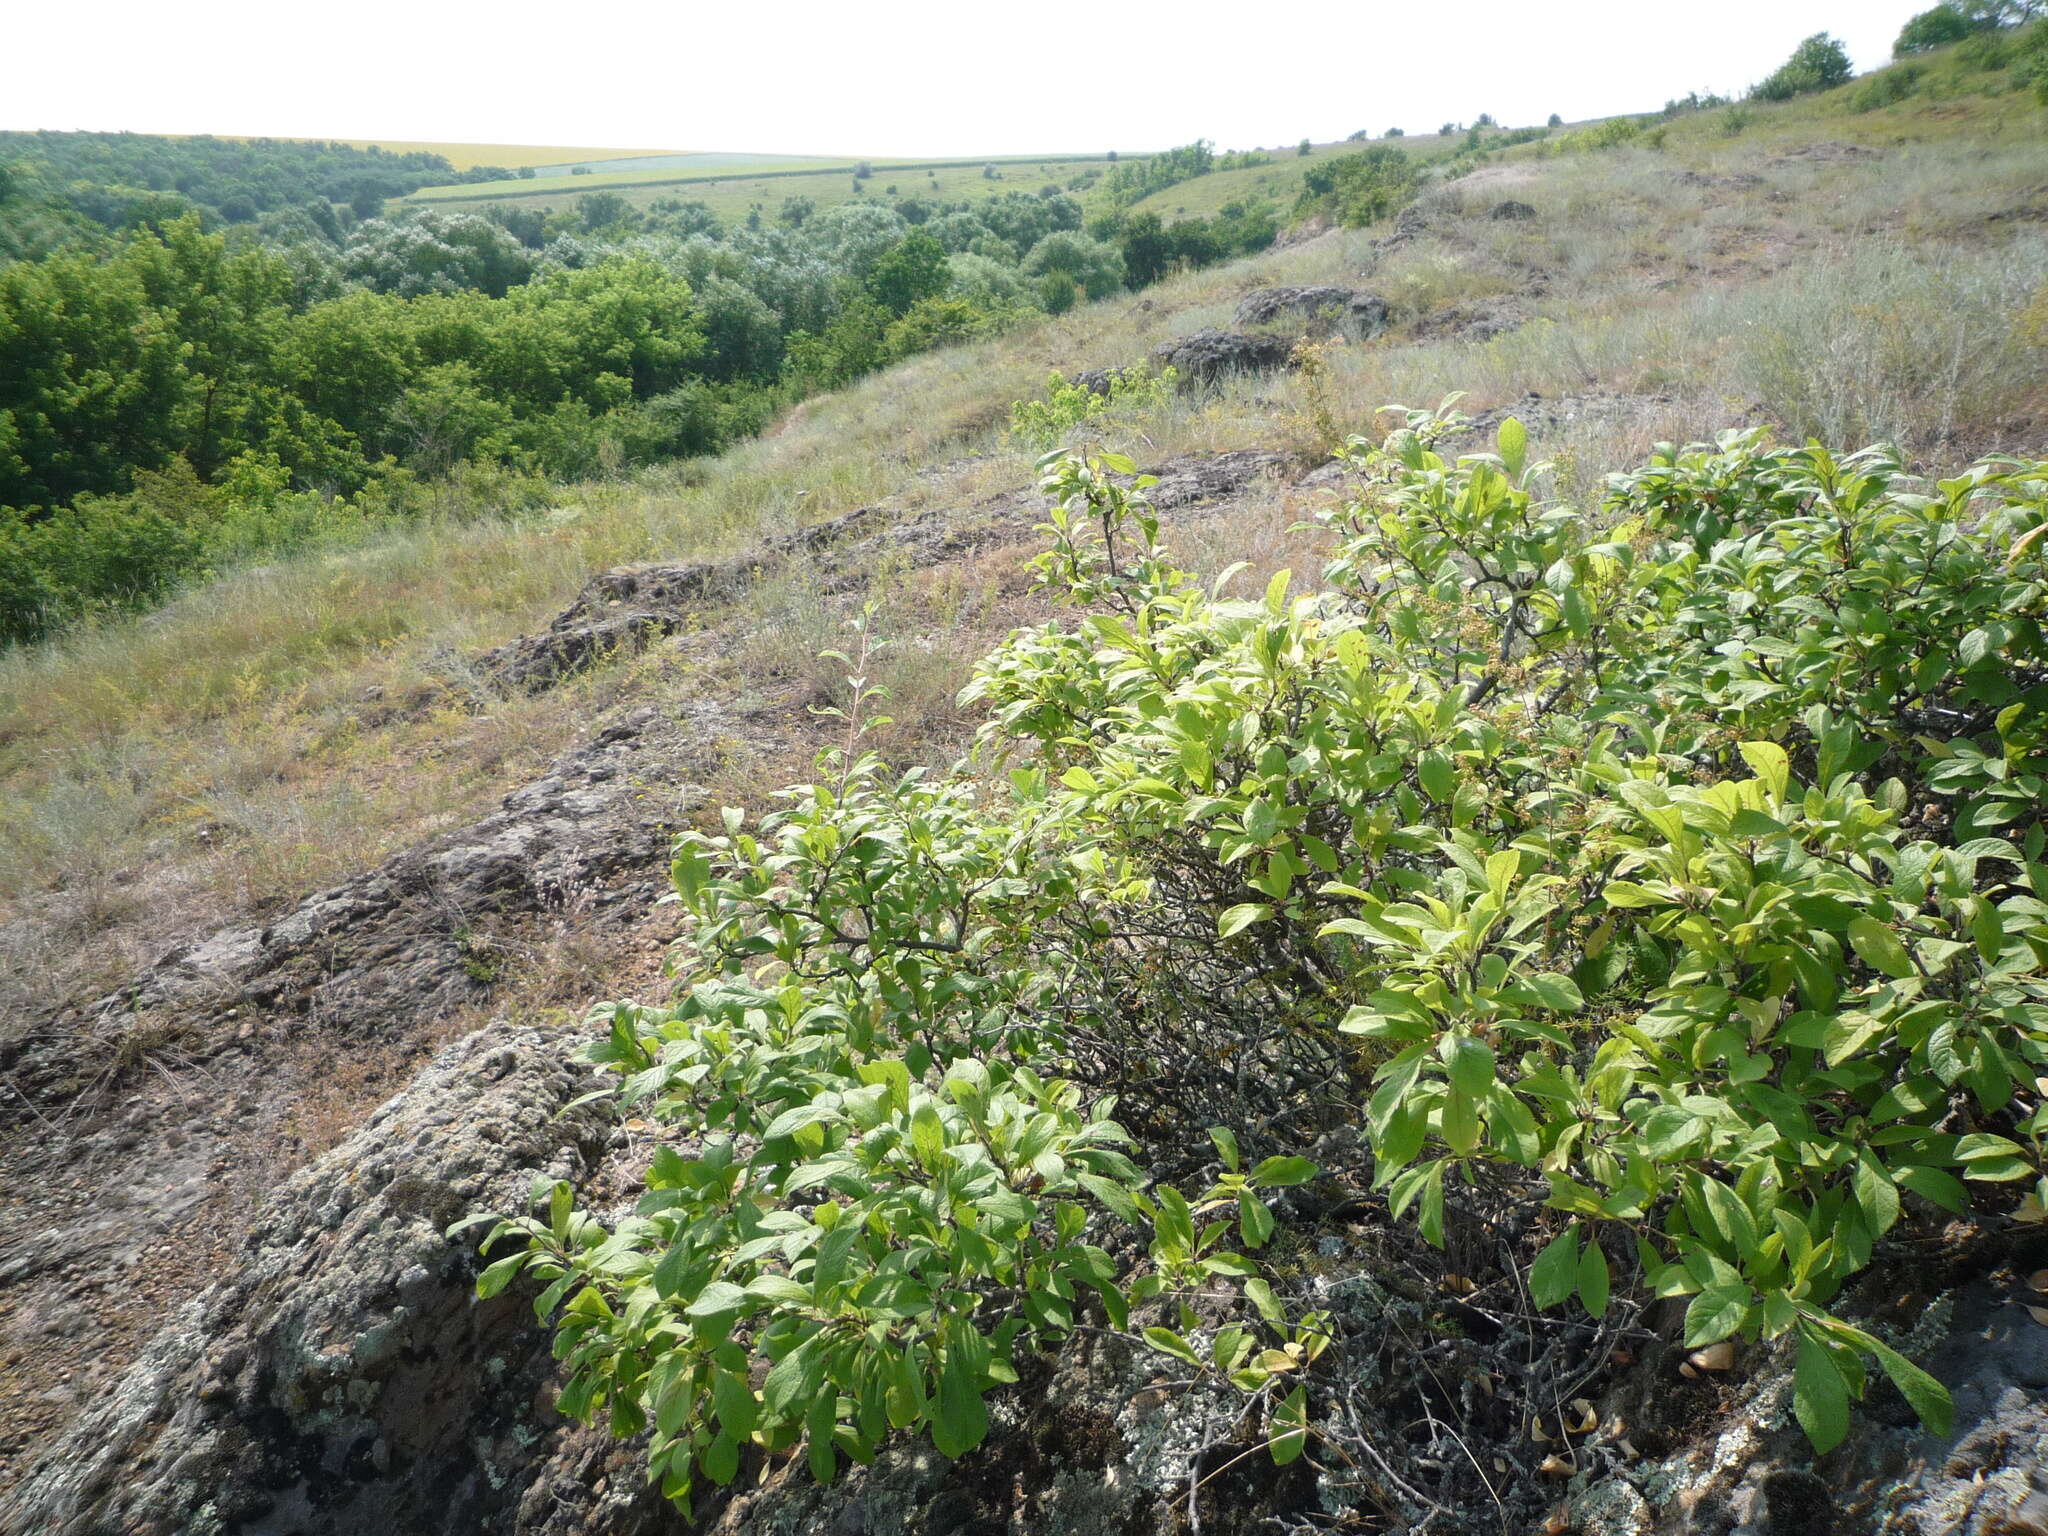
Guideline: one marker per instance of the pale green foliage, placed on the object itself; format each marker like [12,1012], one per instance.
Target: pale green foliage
[874,1163]
[1677,865]
[1044,423]
[1812,1010]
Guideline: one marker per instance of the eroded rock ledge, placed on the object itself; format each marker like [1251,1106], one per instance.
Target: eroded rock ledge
[341,1377]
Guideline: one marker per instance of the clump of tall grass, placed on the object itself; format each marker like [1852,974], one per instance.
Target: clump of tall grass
[1920,346]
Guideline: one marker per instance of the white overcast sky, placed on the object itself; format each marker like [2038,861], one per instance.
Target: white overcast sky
[897,78]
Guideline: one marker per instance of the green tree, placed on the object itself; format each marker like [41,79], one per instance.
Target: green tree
[600,211]
[1146,248]
[1931,29]
[1094,267]
[1818,64]
[911,270]
[436,250]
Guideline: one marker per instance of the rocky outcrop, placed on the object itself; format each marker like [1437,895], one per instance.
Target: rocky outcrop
[619,613]
[139,1135]
[1208,357]
[1316,311]
[396,942]
[1198,478]
[1480,320]
[340,1377]
[1752,1472]
[623,610]
[1410,224]
[1739,180]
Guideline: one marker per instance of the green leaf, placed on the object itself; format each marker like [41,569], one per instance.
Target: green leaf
[1930,1399]
[1167,1342]
[1429,1221]
[794,1380]
[1261,1295]
[1876,1195]
[1458,1120]
[1226,1145]
[1240,917]
[790,1121]
[1979,1146]
[1878,947]
[1716,1313]
[1546,989]
[960,1417]
[1820,1398]
[819,1423]
[1578,614]
[1730,1217]
[780,1289]
[1254,1220]
[1114,1196]
[1932,1184]
[1439,780]
[1275,1172]
[1512,439]
[1593,1280]
[1627,893]
[1501,869]
[1847,1035]
[1117,1305]
[735,1404]
[928,1136]
[1290,1427]
[717,1299]
[1555,1273]
[1767,760]
[499,1275]
[1748,823]
[1989,1159]
[721,1459]
[1471,1063]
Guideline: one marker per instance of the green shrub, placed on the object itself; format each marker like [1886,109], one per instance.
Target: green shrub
[1046,422]
[1361,188]
[1662,881]
[1985,51]
[1613,133]
[2030,60]
[1818,64]
[947,320]
[1886,88]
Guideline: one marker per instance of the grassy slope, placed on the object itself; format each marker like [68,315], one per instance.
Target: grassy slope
[226,754]
[1278,183]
